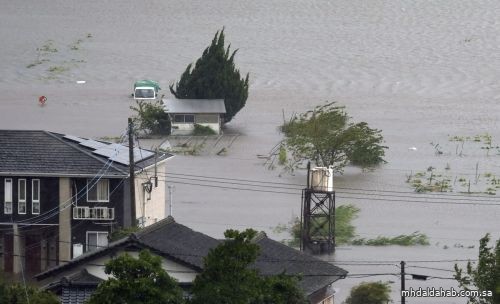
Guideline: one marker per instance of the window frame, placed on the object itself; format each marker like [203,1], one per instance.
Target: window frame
[35,202]
[106,233]
[96,188]
[184,118]
[21,202]
[8,202]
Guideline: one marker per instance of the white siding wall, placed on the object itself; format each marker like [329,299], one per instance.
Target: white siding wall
[207,120]
[155,207]
[177,271]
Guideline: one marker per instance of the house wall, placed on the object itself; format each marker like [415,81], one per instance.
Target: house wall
[22,245]
[80,227]
[49,199]
[35,249]
[151,206]
[95,267]
[323,296]
[211,120]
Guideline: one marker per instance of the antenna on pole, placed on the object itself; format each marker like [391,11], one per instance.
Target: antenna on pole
[131,171]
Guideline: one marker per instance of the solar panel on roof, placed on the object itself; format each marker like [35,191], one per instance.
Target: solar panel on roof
[92,144]
[122,158]
[74,138]
[119,153]
[107,151]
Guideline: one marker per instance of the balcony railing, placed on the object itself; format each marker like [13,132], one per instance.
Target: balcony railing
[96,213]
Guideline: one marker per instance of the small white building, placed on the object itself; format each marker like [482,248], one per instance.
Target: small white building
[185,113]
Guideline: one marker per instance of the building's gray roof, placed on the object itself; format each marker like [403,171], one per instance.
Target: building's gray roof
[194,106]
[43,153]
[276,258]
[189,247]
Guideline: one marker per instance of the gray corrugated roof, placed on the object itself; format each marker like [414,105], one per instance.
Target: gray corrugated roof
[189,247]
[47,153]
[194,106]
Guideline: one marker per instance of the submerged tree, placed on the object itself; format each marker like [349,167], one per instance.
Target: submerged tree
[214,76]
[326,137]
[485,276]
[151,118]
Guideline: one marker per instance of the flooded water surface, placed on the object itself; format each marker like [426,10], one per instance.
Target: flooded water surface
[421,71]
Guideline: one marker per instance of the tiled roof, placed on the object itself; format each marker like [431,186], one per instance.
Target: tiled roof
[275,258]
[38,153]
[76,288]
[188,247]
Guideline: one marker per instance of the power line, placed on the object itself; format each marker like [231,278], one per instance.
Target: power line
[337,195]
[413,194]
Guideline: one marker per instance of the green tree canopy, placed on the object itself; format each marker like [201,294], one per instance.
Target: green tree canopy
[370,293]
[151,118]
[137,281]
[214,76]
[326,137]
[485,275]
[20,294]
[228,278]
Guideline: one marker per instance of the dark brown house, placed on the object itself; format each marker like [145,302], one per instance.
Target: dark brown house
[62,196]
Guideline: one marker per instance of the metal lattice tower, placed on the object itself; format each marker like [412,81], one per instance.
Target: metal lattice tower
[318,220]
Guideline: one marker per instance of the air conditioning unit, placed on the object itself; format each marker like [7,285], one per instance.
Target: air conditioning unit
[321,179]
[77,250]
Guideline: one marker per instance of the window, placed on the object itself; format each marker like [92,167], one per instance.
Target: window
[96,240]
[7,209]
[184,118]
[98,192]
[21,196]
[35,196]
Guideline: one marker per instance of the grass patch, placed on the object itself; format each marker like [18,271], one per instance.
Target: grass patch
[48,47]
[200,130]
[57,69]
[413,239]
[345,232]
[429,181]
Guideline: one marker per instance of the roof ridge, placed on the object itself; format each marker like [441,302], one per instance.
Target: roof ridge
[259,236]
[82,150]
[153,227]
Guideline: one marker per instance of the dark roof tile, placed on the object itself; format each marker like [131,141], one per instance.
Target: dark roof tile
[47,153]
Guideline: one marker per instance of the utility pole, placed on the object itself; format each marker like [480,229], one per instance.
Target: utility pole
[131,170]
[402,282]
[170,194]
